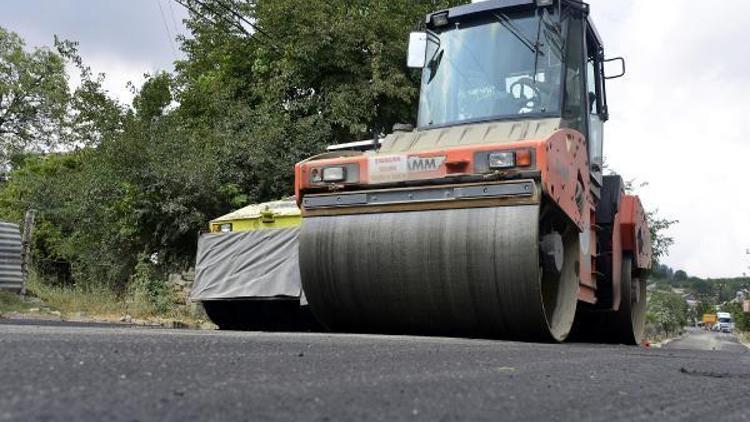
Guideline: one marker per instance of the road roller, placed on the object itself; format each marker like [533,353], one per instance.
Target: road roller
[491,217]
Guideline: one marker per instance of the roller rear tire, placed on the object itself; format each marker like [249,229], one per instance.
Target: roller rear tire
[631,317]
[624,326]
[261,315]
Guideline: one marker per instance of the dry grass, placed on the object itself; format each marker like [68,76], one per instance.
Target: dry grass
[71,300]
[11,302]
[101,303]
[655,335]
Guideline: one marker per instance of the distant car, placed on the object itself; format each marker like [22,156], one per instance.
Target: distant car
[725,323]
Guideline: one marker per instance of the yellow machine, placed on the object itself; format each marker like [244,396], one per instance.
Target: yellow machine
[709,320]
[268,215]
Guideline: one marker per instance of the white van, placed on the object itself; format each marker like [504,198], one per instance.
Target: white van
[724,322]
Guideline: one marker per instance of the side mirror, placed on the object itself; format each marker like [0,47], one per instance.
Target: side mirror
[417,56]
[617,74]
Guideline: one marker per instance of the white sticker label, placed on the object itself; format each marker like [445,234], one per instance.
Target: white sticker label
[397,168]
[387,168]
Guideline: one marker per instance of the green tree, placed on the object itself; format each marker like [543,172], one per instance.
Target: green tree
[154,96]
[741,319]
[668,310]
[39,115]
[680,275]
[320,72]
[660,239]
[33,97]
[662,272]
[38,112]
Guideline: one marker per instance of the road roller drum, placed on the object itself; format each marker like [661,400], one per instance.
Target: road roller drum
[472,271]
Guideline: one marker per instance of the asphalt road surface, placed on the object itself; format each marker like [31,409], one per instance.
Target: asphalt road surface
[699,339]
[65,372]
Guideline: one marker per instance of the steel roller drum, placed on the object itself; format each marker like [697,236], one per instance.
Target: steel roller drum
[472,272]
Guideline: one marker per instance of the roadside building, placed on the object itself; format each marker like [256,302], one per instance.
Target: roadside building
[741,295]
[11,271]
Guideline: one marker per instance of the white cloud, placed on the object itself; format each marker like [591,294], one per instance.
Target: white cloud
[119,71]
[123,39]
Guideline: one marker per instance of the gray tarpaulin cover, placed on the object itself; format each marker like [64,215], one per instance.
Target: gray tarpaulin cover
[259,263]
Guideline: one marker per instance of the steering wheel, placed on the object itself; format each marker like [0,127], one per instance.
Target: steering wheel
[523,83]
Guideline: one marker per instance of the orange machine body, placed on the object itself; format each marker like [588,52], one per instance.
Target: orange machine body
[558,162]
[636,236]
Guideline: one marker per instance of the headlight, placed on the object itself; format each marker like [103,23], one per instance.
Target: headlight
[502,160]
[334,174]
[225,228]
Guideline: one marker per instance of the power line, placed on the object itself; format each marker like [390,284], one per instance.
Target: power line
[166,26]
[171,14]
[186,5]
[238,24]
[243,19]
[190,8]
[233,23]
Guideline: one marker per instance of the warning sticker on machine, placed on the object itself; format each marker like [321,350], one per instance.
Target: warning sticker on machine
[397,168]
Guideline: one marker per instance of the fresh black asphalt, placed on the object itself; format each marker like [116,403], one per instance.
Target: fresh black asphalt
[111,373]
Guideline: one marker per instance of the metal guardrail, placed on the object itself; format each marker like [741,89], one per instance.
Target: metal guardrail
[11,270]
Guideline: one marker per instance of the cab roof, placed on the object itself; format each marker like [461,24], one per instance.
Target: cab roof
[487,6]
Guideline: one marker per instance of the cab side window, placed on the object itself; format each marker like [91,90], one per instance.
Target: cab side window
[595,104]
[575,102]
[591,85]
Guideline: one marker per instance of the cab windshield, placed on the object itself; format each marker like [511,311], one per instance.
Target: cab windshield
[499,66]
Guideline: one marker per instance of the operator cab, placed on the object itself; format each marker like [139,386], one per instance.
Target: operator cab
[511,60]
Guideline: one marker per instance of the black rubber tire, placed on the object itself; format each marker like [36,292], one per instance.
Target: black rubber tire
[220,313]
[631,317]
[624,326]
[261,315]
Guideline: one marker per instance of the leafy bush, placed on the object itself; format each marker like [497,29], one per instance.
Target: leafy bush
[148,291]
[667,310]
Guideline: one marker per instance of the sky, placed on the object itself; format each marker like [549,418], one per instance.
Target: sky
[679,119]
[122,38]
[681,123]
